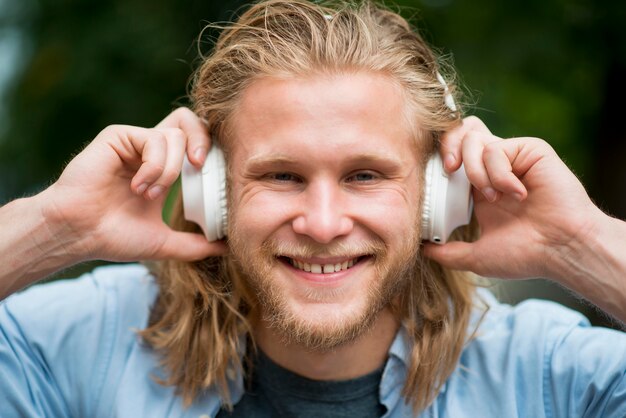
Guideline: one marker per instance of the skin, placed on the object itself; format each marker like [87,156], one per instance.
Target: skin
[319,163]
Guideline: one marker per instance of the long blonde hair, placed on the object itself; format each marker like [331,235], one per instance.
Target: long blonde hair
[202,315]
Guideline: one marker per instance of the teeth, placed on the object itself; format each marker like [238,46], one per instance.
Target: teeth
[322,268]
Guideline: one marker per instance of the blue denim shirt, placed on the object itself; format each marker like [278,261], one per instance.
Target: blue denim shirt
[69,349]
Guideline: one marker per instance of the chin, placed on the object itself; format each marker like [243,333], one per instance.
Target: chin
[321,326]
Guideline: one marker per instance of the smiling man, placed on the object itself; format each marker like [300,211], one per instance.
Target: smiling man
[321,200]
[322,301]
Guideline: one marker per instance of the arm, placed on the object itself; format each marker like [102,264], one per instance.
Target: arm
[536,219]
[106,205]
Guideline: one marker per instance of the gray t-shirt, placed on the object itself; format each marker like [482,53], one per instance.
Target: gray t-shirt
[278,392]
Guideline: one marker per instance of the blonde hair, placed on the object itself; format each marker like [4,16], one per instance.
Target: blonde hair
[202,315]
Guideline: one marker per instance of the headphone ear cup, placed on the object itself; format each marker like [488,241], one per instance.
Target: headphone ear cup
[447,201]
[220,202]
[427,204]
[204,194]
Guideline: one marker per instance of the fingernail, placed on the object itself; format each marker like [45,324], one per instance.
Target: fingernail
[199,154]
[489,193]
[155,191]
[449,160]
[142,188]
[518,196]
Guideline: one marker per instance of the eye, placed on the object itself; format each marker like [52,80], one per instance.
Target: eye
[283,177]
[363,177]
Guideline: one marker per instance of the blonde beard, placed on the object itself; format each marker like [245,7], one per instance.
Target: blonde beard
[256,266]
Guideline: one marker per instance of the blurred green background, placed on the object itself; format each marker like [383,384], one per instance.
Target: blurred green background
[553,69]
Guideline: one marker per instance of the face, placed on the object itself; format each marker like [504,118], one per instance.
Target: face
[324,202]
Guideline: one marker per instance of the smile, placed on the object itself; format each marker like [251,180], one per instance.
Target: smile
[323,268]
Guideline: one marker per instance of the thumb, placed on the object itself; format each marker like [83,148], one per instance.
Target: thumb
[456,255]
[190,246]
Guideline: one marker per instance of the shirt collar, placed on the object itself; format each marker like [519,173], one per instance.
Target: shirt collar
[395,372]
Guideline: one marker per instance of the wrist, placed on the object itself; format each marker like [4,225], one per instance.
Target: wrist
[36,242]
[565,246]
[61,235]
[591,264]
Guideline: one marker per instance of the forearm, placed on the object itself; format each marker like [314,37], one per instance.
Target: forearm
[595,267]
[33,244]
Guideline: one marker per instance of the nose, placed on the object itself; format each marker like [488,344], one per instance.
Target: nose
[324,215]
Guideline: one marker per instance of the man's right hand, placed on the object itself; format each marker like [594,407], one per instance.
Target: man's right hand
[107,204]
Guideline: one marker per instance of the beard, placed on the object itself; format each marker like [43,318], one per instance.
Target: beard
[257,268]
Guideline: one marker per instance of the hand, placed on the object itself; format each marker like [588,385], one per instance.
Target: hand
[111,195]
[528,204]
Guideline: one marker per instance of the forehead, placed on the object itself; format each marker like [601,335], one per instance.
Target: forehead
[348,113]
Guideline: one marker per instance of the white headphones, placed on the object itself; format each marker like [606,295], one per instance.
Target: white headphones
[447,204]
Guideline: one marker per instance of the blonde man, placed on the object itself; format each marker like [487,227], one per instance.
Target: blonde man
[327,116]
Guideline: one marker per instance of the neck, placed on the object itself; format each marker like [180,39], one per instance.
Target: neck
[357,358]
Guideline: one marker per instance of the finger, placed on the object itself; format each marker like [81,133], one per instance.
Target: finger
[198,141]
[176,142]
[151,145]
[452,141]
[525,152]
[190,246]
[456,255]
[497,159]
[474,145]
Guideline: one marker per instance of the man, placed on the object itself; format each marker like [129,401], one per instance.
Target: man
[320,302]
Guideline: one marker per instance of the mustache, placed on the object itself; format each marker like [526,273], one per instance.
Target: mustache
[305,250]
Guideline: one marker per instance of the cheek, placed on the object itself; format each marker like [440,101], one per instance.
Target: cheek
[392,223]
[257,214]
[390,212]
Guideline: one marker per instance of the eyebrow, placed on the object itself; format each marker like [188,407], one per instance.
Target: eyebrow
[273,159]
[261,161]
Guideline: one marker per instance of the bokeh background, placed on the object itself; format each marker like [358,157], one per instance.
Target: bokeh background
[554,69]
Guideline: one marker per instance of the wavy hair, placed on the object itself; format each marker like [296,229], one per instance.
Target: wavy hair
[202,316]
